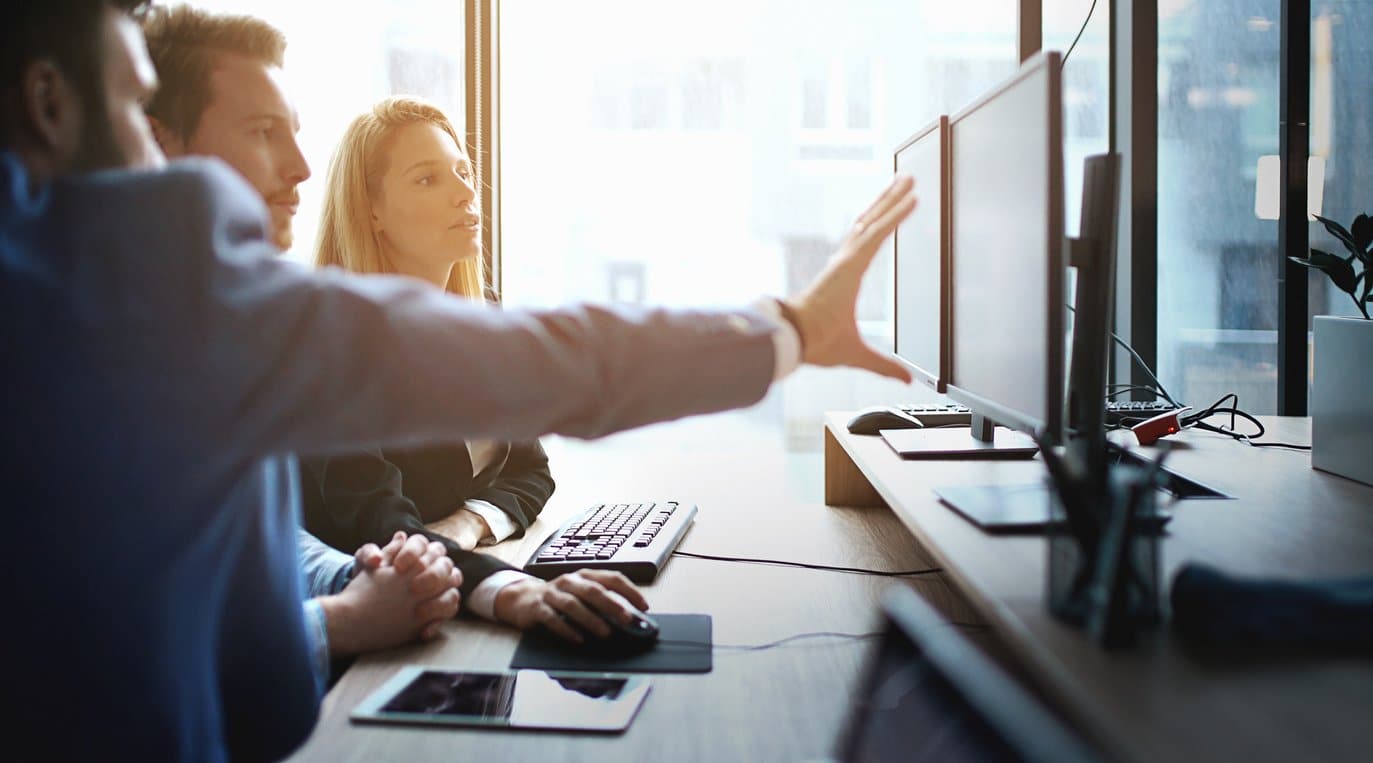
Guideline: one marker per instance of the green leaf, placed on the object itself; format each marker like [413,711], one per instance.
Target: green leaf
[1340,233]
[1362,232]
[1340,271]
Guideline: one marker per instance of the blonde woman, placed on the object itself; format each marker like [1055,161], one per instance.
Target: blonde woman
[400,198]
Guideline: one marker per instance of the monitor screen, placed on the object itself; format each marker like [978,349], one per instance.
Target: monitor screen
[921,247]
[1007,251]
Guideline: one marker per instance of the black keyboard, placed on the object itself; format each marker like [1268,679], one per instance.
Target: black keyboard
[940,414]
[1135,411]
[634,539]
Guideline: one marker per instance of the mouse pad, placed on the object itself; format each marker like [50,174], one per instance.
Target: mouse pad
[541,651]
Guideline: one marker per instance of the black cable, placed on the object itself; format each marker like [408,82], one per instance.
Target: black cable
[858,570]
[1120,389]
[1198,420]
[1079,35]
[801,636]
[1145,368]
[779,642]
[1158,385]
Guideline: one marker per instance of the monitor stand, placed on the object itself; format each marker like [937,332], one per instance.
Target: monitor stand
[983,440]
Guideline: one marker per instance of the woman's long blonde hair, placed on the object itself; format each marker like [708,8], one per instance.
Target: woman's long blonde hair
[346,238]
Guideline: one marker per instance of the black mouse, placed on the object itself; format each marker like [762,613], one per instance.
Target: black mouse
[637,636]
[875,419]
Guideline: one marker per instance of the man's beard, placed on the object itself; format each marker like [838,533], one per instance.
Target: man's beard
[99,149]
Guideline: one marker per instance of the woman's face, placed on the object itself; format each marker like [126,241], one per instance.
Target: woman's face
[425,213]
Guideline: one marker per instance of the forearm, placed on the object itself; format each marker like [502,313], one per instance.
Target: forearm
[383,356]
[486,599]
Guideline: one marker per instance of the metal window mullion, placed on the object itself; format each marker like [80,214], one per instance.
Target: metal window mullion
[483,123]
[1133,65]
[1294,144]
[1029,28]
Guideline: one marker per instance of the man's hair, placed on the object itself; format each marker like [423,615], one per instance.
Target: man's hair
[183,43]
[66,32]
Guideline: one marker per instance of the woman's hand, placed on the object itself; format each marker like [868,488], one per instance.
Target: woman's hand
[574,596]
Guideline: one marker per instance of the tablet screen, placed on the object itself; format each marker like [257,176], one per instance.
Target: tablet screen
[519,699]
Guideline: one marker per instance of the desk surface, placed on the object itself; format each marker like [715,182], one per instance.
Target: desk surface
[782,704]
[1158,701]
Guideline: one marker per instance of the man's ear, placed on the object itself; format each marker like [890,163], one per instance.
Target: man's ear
[375,220]
[171,144]
[52,111]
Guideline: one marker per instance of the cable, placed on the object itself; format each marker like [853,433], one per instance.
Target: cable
[777,643]
[1140,361]
[1198,420]
[1120,389]
[1079,35]
[858,570]
[802,636]
[1145,368]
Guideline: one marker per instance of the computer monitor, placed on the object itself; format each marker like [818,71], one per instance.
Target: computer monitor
[930,695]
[921,246]
[1093,258]
[1007,253]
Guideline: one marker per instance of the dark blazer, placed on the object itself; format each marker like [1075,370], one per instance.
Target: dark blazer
[368,496]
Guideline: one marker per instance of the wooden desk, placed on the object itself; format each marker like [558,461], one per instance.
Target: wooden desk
[782,704]
[1158,701]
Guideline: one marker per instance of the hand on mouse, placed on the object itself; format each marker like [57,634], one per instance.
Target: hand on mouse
[529,603]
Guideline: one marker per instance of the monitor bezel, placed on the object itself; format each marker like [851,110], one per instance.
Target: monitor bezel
[1052,424]
[938,379]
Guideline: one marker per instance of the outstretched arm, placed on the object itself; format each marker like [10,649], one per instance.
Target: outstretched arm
[324,362]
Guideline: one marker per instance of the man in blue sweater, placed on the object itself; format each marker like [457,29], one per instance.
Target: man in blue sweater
[380,598]
[155,379]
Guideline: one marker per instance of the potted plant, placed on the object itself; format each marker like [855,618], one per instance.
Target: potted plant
[1341,403]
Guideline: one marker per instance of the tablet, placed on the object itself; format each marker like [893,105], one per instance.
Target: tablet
[522,699]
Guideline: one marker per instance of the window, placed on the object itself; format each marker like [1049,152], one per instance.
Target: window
[707,153]
[1086,88]
[1217,260]
[341,62]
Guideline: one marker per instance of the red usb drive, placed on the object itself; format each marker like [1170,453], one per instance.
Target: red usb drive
[1162,425]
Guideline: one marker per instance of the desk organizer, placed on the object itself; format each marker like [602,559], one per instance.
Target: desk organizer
[1103,546]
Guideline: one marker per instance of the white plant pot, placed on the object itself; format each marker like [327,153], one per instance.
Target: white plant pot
[1342,398]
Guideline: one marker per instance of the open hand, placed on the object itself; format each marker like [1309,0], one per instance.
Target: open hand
[824,310]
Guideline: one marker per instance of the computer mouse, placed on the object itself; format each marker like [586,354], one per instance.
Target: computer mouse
[875,419]
[637,636]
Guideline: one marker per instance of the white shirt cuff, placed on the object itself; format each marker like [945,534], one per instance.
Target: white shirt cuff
[502,526]
[786,344]
[482,602]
